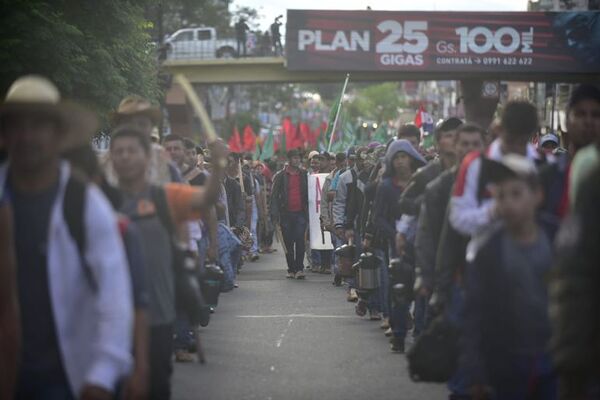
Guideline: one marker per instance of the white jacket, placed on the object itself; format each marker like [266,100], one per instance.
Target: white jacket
[467,213]
[94,328]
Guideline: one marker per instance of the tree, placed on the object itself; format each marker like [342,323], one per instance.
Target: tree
[376,102]
[169,16]
[96,51]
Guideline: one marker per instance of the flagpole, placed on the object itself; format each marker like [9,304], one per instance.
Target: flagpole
[337,113]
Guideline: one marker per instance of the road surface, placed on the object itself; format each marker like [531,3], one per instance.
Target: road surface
[274,338]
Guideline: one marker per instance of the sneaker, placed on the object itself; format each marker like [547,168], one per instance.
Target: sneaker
[290,275]
[388,332]
[300,275]
[254,257]
[316,269]
[397,345]
[385,324]
[374,316]
[326,271]
[361,308]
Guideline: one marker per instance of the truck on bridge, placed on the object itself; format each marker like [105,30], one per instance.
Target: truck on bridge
[202,43]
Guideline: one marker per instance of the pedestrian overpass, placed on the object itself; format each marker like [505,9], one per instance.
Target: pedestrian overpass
[274,70]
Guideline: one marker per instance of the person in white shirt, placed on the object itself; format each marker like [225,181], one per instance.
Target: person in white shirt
[74,295]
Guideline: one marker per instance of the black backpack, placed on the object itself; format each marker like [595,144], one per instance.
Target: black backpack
[188,293]
[434,356]
[74,214]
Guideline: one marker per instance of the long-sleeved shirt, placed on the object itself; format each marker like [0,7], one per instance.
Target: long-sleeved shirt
[470,205]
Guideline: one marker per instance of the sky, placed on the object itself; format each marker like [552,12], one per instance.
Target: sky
[269,9]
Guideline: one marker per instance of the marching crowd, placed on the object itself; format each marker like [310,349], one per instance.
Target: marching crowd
[479,260]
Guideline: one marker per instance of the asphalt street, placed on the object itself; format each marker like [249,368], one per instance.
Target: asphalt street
[274,338]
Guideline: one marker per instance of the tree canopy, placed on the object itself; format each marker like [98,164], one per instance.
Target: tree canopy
[96,51]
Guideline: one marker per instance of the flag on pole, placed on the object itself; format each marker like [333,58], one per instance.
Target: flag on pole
[235,142]
[249,139]
[268,149]
[424,120]
[335,113]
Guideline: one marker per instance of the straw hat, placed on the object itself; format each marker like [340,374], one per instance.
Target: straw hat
[33,93]
[136,105]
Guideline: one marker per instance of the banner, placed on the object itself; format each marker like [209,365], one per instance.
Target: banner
[483,42]
[319,240]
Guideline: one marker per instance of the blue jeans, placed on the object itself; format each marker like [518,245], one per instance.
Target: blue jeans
[459,383]
[230,251]
[253,226]
[184,334]
[336,243]
[315,258]
[293,229]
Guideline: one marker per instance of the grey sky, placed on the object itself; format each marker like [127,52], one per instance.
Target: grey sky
[269,9]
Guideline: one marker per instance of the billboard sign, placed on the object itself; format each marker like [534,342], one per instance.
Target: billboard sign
[488,42]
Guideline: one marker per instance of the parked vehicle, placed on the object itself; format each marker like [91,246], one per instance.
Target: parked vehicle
[201,43]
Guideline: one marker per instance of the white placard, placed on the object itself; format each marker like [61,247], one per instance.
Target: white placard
[319,240]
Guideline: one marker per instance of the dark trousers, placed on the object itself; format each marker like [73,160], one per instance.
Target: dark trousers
[293,229]
[39,386]
[161,366]
[241,47]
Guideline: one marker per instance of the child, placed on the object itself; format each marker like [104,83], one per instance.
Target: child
[506,329]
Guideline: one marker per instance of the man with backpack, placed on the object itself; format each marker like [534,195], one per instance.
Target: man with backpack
[72,292]
[157,212]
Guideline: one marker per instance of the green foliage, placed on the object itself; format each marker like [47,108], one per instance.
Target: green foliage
[96,51]
[376,102]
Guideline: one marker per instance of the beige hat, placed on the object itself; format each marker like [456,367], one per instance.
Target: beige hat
[136,105]
[33,93]
[312,154]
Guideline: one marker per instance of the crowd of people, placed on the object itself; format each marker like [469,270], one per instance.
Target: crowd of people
[477,242]
[492,234]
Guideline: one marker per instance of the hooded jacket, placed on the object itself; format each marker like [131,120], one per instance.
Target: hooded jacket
[387,194]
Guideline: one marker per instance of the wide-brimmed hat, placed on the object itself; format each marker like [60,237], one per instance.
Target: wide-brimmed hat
[136,105]
[33,93]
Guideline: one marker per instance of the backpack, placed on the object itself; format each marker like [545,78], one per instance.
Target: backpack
[434,356]
[74,214]
[188,294]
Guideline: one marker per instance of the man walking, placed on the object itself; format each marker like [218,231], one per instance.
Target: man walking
[74,294]
[289,209]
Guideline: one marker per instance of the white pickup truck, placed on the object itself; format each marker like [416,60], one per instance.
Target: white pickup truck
[199,43]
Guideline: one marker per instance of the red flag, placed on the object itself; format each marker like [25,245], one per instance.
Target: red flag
[419,117]
[304,134]
[249,139]
[235,143]
[290,132]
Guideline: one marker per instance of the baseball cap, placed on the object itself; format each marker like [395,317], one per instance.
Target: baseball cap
[550,137]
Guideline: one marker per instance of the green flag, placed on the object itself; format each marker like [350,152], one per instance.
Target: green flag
[283,143]
[380,135]
[268,147]
[256,152]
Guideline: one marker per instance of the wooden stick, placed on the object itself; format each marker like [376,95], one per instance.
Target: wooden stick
[198,106]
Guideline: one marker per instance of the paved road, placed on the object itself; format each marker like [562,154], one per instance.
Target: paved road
[280,339]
